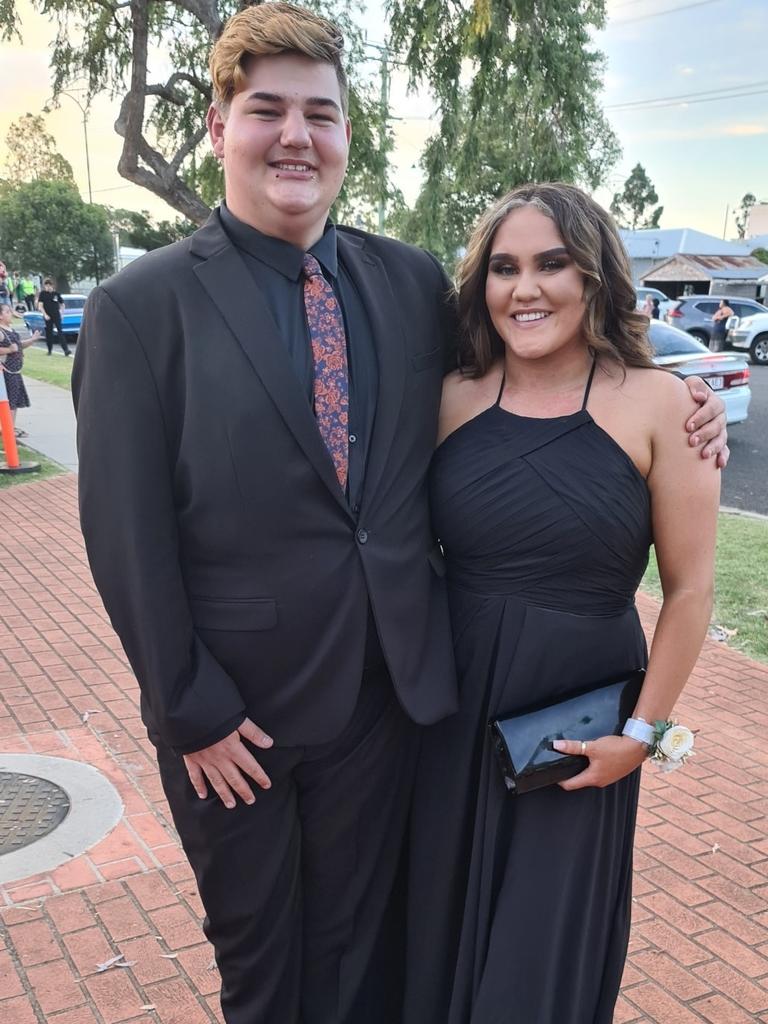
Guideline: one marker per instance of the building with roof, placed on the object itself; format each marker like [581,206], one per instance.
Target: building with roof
[650,246]
[707,275]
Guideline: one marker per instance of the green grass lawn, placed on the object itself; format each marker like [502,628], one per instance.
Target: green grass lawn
[741,583]
[52,369]
[47,468]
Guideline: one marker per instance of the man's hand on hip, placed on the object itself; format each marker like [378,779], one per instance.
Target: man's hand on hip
[226,763]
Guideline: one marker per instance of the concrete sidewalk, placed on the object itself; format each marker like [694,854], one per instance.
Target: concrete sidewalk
[50,422]
[699,948]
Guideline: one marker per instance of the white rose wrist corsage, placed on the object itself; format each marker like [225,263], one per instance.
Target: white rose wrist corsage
[672,745]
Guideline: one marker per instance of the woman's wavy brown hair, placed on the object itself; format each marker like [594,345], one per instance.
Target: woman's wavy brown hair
[612,326]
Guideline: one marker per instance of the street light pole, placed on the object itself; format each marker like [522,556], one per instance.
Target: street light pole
[84,112]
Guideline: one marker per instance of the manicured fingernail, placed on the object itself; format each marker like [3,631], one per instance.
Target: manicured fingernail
[266,741]
[558,745]
[229,805]
[695,439]
[706,454]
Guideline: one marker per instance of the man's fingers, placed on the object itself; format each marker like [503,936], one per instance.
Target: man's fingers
[247,763]
[235,781]
[197,778]
[219,784]
[711,429]
[252,732]
[722,457]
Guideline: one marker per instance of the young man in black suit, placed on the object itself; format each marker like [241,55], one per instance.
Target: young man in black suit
[287,623]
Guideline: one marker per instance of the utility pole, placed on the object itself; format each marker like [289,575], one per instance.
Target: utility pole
[725,222]
[384,105]
[384,82]
[84,112]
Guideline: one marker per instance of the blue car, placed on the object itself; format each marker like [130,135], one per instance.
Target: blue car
[71,317]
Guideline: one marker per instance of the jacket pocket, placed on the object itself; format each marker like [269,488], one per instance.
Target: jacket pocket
[423,360]
[239,615]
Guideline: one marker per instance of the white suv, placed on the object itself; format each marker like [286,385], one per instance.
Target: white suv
[750,332]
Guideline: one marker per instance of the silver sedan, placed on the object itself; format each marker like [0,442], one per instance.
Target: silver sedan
[725,372]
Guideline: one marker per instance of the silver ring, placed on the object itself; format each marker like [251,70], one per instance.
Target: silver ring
[583,748]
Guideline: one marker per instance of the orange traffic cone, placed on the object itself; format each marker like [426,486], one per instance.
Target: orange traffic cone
[12,463]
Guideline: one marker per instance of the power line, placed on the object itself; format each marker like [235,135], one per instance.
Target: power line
[723,92]
[687,103]
[665,11]
[705,99]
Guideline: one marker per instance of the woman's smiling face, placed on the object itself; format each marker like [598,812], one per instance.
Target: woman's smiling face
[534,291]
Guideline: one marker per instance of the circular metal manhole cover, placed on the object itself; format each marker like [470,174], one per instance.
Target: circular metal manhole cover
[30,808]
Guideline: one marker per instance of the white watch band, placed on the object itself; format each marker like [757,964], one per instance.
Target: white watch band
[639,730]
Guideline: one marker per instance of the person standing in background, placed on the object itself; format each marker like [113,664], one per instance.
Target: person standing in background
[12,359]
[28,291]
[5,285]
[719,320]
[50,303]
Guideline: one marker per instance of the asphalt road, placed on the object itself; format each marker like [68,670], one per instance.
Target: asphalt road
[745,481]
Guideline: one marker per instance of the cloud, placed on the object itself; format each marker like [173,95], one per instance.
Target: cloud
[692,132]
[686,71]
[747,129]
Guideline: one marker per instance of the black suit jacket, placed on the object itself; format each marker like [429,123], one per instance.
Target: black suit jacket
[228,560]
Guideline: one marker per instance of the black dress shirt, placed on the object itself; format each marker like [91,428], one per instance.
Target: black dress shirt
[276,266]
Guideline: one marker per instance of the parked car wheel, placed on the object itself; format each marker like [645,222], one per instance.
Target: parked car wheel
[700,336]
[758,350]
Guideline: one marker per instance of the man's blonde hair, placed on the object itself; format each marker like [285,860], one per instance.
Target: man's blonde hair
[267,29]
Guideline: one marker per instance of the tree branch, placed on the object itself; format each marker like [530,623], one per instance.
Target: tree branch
[168,91]
[162,177]
[206,12]
[186,149]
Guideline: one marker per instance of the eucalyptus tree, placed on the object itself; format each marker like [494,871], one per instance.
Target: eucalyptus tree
[153,56]
[516,84]
[32,154]
[632,205]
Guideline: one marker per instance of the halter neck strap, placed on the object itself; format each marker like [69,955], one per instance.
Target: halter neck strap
[589,383]
[501,389]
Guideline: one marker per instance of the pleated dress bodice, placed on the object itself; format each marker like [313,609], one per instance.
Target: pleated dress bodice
[560,515]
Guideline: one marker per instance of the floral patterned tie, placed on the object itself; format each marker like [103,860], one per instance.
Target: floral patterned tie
[329,349]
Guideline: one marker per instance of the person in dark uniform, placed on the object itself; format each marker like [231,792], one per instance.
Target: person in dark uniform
[51,304]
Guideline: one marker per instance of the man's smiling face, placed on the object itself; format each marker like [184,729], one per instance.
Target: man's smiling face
[284,142]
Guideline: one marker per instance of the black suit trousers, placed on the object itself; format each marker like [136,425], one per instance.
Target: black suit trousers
[303,889]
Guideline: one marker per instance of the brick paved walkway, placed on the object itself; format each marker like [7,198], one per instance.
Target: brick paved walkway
[699,948]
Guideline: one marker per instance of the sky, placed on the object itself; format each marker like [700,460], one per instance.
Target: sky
[702,154]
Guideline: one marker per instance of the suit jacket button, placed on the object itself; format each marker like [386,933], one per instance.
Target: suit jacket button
[362,536]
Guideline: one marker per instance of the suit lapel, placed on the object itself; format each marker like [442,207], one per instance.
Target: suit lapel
[225,277]
[372,283]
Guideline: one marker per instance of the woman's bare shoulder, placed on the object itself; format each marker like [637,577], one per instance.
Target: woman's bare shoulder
[658,389]
[463,397]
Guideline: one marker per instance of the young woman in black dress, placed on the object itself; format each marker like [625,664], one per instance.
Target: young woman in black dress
[558,465]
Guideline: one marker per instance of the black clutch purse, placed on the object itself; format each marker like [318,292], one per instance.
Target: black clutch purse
[523,742]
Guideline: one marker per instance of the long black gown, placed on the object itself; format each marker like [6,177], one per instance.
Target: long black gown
[520,905]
